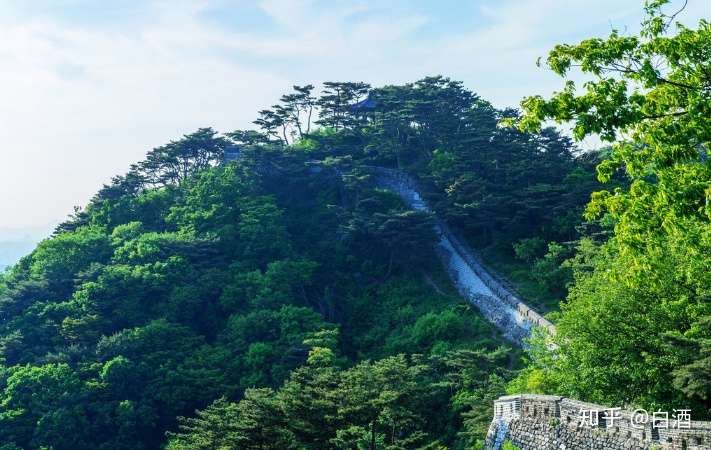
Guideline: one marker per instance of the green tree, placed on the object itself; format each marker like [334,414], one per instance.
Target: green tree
[650,95]
[213,428]
[41,406]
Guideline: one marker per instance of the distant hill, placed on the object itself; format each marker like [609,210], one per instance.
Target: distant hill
[17,242]
[12,251]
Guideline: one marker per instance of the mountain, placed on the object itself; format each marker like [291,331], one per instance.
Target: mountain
[17,242]
[265,279]
[263,289]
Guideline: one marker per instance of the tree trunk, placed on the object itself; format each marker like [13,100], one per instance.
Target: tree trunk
[372,435]
[308,122]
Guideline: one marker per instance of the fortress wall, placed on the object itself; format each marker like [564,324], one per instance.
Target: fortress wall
[542,422]
[495,301]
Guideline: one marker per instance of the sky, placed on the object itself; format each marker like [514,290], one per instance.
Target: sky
[88,87]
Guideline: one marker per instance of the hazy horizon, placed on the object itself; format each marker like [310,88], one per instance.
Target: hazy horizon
[16,242]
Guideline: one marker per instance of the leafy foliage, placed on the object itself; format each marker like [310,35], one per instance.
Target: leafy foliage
[640,302]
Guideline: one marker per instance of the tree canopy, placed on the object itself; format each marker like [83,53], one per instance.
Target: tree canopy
[635,327]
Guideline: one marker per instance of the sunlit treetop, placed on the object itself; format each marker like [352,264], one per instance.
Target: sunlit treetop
[651,95]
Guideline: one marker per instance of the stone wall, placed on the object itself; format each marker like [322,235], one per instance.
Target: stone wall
[494,299]
[543,422]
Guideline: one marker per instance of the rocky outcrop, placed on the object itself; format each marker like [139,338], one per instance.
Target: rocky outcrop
[495,301]
[545,422]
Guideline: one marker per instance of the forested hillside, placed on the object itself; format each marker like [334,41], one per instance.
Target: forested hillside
[279,292]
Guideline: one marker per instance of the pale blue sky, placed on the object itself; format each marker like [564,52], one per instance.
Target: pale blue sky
[87,87]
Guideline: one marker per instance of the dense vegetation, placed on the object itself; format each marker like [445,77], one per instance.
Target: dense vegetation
[281,294]
[278,300]
[636,327]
